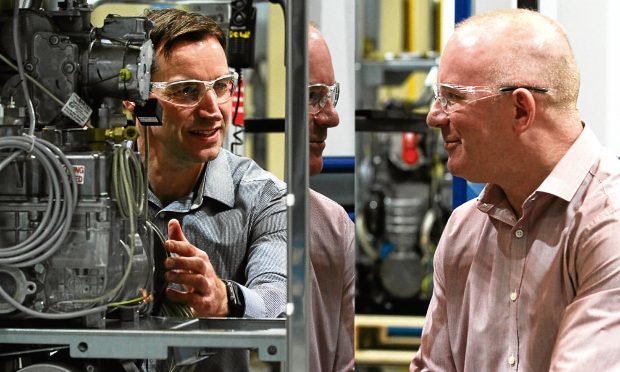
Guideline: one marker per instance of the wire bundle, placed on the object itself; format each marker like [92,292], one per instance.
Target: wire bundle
[54,226]
[61,201]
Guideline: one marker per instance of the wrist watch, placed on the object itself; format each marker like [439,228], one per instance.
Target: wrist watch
[236,302]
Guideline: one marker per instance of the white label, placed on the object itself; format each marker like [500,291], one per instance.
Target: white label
[79,171]
[77,110]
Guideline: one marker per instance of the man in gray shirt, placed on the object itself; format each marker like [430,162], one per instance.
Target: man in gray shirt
[223,215]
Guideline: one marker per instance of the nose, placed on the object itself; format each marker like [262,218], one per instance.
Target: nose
[327,117]
[208,107]
[436,117]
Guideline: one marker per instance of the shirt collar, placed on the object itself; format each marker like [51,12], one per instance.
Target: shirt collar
[217,182]
[568,174]
[563,181]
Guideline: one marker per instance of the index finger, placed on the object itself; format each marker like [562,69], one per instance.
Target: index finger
[181,248]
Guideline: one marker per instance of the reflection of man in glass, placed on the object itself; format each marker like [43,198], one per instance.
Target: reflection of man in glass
[223,215]
[332,235]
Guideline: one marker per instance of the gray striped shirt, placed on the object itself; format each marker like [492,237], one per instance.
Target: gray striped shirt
[237,215]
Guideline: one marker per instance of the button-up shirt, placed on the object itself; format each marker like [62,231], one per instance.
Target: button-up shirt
[238,217]
[332,275]
[536,293]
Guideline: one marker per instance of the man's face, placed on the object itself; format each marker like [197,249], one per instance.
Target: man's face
[320,71]
[476,137]
[193,134]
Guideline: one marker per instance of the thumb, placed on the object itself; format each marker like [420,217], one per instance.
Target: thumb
[174,231]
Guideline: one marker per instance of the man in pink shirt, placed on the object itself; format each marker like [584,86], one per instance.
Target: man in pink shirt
[332,233]
[527,277]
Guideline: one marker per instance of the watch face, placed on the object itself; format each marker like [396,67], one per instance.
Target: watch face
[236,303]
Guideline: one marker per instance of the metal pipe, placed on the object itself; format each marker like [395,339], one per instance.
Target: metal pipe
[296,126]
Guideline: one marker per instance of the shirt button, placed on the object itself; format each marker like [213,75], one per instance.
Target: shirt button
[513,296]
[519,233]
[512,360]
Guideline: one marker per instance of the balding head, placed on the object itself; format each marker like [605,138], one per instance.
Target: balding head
[320,72]
[521,47]
[317,47]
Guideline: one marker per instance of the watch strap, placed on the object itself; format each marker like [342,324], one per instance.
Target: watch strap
[236,301]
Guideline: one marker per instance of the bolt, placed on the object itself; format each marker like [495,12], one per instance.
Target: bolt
[68,67]
[39,268]
[54,39]
[39,306]
[29,67]
[82,346]
[90,368]
[272,350]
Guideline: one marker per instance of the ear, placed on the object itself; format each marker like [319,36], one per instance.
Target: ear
[525,109]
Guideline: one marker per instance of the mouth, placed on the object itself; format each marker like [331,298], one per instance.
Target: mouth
[450,144]
[205,132]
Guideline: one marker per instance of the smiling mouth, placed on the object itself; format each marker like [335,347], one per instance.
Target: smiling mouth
[206,133]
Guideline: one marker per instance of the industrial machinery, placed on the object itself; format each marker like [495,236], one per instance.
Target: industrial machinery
[402,203]
[79,263]
[74,243]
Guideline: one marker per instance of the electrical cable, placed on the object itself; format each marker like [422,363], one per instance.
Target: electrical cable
[146,170]
[62,192]
[128,186]
[49,236]
[128,182]
[240,129]
[51,316]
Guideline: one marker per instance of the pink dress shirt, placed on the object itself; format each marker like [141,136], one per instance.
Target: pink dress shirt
[332,258]
[538,293]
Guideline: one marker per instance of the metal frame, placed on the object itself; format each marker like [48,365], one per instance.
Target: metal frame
[297,147]
[150,338]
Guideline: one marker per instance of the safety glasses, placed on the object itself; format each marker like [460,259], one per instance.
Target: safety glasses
[453,98]
[188,93]
[319,94]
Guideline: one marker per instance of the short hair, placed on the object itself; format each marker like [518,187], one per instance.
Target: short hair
[558,70]
[173,25]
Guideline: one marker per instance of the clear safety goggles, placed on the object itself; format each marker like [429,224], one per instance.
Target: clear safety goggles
[189,93]
[453,98]
[319,94]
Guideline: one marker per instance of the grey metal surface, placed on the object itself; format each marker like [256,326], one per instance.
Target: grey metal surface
[150,338]
[374,74]
[298,310]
